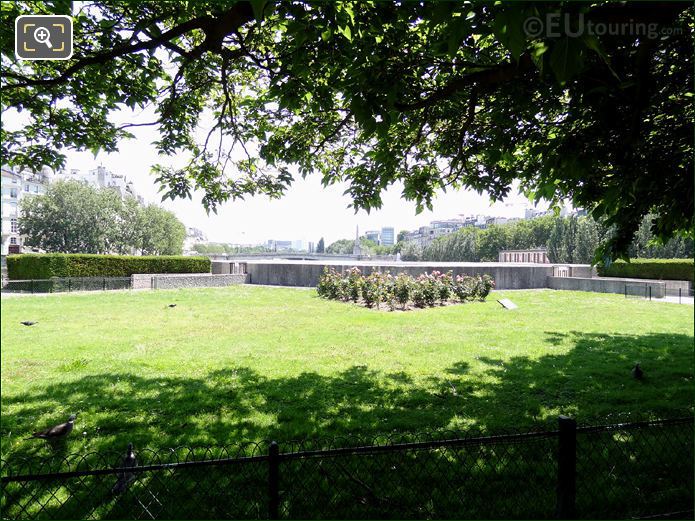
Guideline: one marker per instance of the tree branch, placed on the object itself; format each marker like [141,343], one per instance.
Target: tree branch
[503,73]
[215,29]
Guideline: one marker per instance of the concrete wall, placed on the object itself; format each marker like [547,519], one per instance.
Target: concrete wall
[185,280]
[609,285]
[289,273]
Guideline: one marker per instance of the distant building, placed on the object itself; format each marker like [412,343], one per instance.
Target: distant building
[532,213]
[274,245]
[388,236]
[100,177]
[16,186]
[193,236]
[538,256]
[373,235]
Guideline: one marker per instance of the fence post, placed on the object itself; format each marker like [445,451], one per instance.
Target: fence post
[625,290]
[274,481]
[566,468]
[650,293]
[32,286]
[69,284]
[680,291]
[104,287]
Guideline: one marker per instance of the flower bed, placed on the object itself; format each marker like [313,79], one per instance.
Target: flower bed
[402,291]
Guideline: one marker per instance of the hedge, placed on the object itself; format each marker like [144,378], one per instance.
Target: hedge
[46,265]
[660,269]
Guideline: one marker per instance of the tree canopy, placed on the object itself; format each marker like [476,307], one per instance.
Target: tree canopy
[434,95]
[73,217]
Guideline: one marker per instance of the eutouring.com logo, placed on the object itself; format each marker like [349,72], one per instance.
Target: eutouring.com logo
[555,25]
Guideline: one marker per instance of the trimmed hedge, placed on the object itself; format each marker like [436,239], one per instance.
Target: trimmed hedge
[46,265]
[660,269]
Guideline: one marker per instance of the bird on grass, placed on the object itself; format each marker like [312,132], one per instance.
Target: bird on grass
[637,372]
[125,478]
[57,431]
[28,323]
[172,305]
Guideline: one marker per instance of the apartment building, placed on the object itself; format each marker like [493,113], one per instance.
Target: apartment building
[17,185]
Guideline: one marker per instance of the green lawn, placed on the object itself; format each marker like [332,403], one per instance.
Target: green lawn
[248,363]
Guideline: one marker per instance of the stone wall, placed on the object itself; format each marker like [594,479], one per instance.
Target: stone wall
[609,285]
[185,280]
[291,273]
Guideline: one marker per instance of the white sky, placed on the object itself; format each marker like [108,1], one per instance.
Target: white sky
[307,212]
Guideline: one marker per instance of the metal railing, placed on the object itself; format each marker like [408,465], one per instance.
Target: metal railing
[624,470]
[67,284]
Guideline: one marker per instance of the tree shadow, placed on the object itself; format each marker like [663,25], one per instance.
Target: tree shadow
[591,382]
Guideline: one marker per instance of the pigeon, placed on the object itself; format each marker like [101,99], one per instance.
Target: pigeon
[172,305]
[125,478]
[28,323]
[637,372]
[57,431]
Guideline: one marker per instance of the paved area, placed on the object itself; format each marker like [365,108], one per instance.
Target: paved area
[675,300]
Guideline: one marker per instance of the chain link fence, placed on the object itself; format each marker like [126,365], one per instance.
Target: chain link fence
[616,471]
[69,284]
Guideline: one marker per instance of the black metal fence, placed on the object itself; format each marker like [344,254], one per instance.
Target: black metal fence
[617,471]
[645,290]
[68,284]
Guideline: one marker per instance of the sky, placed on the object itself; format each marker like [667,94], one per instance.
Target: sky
[307,212]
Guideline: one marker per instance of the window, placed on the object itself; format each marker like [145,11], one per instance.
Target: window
[26,188]
[36,189]
[13,193]
[13,226]
[13,240]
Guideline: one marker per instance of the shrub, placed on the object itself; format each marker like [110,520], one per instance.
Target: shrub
[47,265]
[328,286]
[354,284]
[661,269]
[403,289]
[424,291]
[484,286]
[389,290]
[444,282]
[344,289]
[464,287]
[372,289]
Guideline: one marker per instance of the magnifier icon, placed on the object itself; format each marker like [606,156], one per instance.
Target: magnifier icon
[43,35]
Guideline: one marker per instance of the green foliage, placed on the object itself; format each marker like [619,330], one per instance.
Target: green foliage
[355,283]
[424,291]
[372,289]
[47,265]
[403,289]
[661,269]
[567,239]
[342,247]
[411,251]
[73,217]
[378,93]
[222,248]
[346,247]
